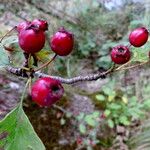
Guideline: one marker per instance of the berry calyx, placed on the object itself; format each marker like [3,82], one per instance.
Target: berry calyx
[46,91]
[31,41]
[41,24]
[23,25]
[62,42]
[120,54]
[138,37]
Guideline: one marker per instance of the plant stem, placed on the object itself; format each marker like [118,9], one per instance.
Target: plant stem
[23,93]
[141,64]
[59,108]
[122,66]
[29,59]
[46,64]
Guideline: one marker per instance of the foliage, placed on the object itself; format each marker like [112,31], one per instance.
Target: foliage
[121,108]
[97,34]
[17,132]
[96,31]
[88,128]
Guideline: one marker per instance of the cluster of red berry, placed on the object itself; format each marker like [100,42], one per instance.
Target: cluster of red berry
[31,35]
[121,54]
[32,38]
[46,91]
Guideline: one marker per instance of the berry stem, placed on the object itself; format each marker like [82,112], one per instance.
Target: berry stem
[29,59]
[141,64]
[35,60]
[122,66]
[46,64]
[7,34]
[30,84]
[129,45]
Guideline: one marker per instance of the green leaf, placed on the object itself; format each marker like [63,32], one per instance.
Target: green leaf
[44,55]
[124,120]
[100,97]
[114,106]
[19,133]
[95,114]
[110,123]
[111,98]
[107,112]
[62,121]
[124,99]
[109,91]
[140,55]
[89,148]
[146,104]
[4,60]
[90,120]
[68,115]
[80,116]
[82,128]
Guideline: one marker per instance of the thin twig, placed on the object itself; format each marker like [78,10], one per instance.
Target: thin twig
[122,66]
[46,64]
[137,65]
[59,108]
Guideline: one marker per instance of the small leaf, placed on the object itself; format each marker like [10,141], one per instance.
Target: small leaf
[124,120]
[107,90]
[140,55]
[110,123]
[82,128]
[89,148]
[146,104]
[95,114]
[100,97]
[111,98]
[90,120]
[115,106]
[68,114]
[124,99]
[62,121]
[107,112]
[80,116]
[44,55]
[20,134]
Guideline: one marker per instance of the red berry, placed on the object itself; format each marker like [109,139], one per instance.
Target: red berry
[120,54]
[46,91]
[31,41]
[62,42]
[103,116]
[22,25]
[79,141]
[41,24]
[138,37]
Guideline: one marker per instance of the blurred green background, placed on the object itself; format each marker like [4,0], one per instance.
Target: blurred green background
[103,114]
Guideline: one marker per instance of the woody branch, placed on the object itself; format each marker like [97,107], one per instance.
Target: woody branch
[90,77]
